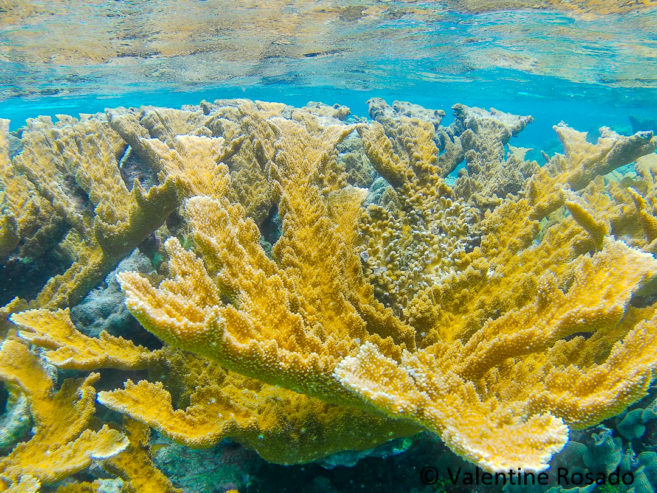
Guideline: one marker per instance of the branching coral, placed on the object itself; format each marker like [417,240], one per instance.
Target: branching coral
[485,299]
[488,177]
[497,314]
[135,466]
[61,444]
[67,348]
[25,216]
[59,168]
[582,162]
[512,377]
[504,319]
[93,189]
[623,204]
[241,137]
[282,303]
[282,425]
[415,237]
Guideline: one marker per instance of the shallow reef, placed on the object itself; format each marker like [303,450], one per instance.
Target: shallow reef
[200,289]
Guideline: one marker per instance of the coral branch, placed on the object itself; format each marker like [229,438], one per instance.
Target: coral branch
[61,445]
[70,349]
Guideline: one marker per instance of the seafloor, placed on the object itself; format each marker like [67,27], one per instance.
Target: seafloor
[244,295]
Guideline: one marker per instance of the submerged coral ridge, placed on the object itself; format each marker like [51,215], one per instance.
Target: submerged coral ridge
[326,283]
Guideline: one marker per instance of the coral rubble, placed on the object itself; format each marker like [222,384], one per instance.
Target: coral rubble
[498,309]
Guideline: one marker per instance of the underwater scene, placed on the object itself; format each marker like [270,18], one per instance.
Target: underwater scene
[328,246]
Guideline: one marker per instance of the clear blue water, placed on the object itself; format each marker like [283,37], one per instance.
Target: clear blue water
[550,100]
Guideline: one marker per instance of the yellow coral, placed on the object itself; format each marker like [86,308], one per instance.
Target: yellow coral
[5,312]
[280,308]
[8,236]
[58,163]
[597,228]
[582,162]
[281,425]
[465,391]
[414,237]
[27,484]
[491,364]
[61,445]
[195,163]
[154,134]
[24,215]
[135,466]
[512,316]
[68,348]
[82,487]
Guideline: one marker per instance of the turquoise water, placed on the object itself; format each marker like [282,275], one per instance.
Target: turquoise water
[550,100]
[581,67]
[584,64]
[135,53]
[586,69]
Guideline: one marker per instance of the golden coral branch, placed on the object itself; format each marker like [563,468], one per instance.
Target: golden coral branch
[281,425]
[505,307]
[68,348]
[61,445]
[134,464]
[271,321]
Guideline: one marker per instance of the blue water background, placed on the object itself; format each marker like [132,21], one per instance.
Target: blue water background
[585,107]
[587,71]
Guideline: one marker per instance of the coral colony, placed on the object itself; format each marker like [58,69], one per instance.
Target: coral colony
[320,283]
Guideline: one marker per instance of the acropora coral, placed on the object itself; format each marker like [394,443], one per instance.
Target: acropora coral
[326,283]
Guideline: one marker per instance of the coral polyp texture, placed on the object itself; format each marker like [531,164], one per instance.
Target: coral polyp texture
[323,283]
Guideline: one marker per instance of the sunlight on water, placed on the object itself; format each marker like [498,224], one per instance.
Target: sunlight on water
[47,48]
